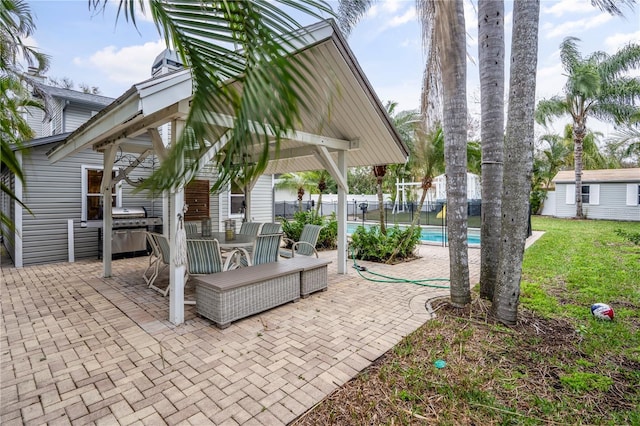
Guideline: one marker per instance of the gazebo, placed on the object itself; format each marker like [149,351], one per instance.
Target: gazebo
[357,132]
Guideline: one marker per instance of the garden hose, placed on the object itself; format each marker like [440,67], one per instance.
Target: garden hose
[389,279]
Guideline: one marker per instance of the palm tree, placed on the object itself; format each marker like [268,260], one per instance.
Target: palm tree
[16,24]
[426,161]
[491,64]
[448,18]
[519,163]
[597,86]
[379,172]
[297,182]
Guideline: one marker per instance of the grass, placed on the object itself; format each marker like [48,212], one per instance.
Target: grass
[559,365]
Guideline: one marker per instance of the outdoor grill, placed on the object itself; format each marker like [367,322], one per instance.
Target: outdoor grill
[129,226]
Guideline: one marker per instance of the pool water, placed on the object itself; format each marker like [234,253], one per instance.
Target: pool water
[429,235]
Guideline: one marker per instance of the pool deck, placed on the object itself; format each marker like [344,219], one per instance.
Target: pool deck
[77,348]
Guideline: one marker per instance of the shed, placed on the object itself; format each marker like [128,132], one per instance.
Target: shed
[612,194]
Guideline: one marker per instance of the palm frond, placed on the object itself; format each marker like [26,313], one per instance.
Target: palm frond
[240,58]
[350,12]
[551,108]
[613,7]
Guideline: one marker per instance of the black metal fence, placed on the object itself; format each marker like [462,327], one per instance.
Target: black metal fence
[431,213]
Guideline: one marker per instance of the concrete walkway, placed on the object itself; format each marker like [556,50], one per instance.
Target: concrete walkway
[80,349]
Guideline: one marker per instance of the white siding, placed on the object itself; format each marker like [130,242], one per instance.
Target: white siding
[53,192]
[75,116]
[262,200]
[611,201]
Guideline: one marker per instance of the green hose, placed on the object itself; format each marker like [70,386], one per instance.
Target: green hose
[389,279]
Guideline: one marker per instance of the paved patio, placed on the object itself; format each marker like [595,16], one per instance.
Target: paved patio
[77,348]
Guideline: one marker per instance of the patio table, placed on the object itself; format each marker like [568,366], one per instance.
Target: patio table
[239,241]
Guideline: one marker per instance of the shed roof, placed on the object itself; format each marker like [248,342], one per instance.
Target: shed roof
[606,175]
[348,116]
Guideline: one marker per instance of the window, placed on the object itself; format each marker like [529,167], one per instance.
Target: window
[92,196]
[585,194]
[236,200]
[633,194]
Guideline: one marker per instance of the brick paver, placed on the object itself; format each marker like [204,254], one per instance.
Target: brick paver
[77,348]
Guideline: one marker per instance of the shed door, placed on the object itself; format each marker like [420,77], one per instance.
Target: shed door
[196,195]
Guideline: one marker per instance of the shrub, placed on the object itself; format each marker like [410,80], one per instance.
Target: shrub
[371,244]
[328,238]
[633,237]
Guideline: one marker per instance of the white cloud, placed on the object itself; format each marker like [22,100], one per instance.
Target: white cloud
[616,41]
[566,7]
[574,27]
[399,20]
[550,81]
[127,65]
[391,6]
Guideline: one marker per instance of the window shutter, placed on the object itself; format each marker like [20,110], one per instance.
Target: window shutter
[196,195]
[594,194]
[570,196]
[632,194]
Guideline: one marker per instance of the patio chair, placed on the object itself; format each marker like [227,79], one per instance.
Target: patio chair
[204,257]
[154,257]
[191,229]
[271,228]
[250,228]
[265,250]
[161,248]
[306,246]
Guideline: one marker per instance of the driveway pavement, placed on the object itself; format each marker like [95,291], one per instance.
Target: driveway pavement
[77,348]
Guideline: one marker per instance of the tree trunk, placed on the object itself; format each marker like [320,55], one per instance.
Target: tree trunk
[491,58]
[518,153]
[451,39]
[379,172]
[579,131]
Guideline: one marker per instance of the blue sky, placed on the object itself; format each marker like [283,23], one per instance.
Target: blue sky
[91,48]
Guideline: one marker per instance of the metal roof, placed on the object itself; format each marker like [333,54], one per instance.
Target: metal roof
[345,116]
[605,175]
[76,96]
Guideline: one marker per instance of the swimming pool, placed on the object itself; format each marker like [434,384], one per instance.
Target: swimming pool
[429,235]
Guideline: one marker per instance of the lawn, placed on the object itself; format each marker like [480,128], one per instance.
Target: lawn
[558,365]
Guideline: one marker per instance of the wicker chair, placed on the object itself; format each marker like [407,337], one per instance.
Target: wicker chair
[306,246]
[271,228]
[250,228]
[265,250]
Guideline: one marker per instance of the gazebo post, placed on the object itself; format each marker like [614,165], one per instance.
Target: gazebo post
[342,214]
[176,271]
[107,220]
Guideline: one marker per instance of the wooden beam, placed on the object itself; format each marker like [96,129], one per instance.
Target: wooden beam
[325,158]
[156,142]
[224,120]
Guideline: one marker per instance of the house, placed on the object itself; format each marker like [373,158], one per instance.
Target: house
[612,194]
[64,197]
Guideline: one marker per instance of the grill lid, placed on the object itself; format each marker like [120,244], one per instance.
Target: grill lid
[128,212]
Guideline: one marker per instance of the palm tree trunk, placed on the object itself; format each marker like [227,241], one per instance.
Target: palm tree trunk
[518,166]
[383,228]
[451,39]
[579,131]
[491,57]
